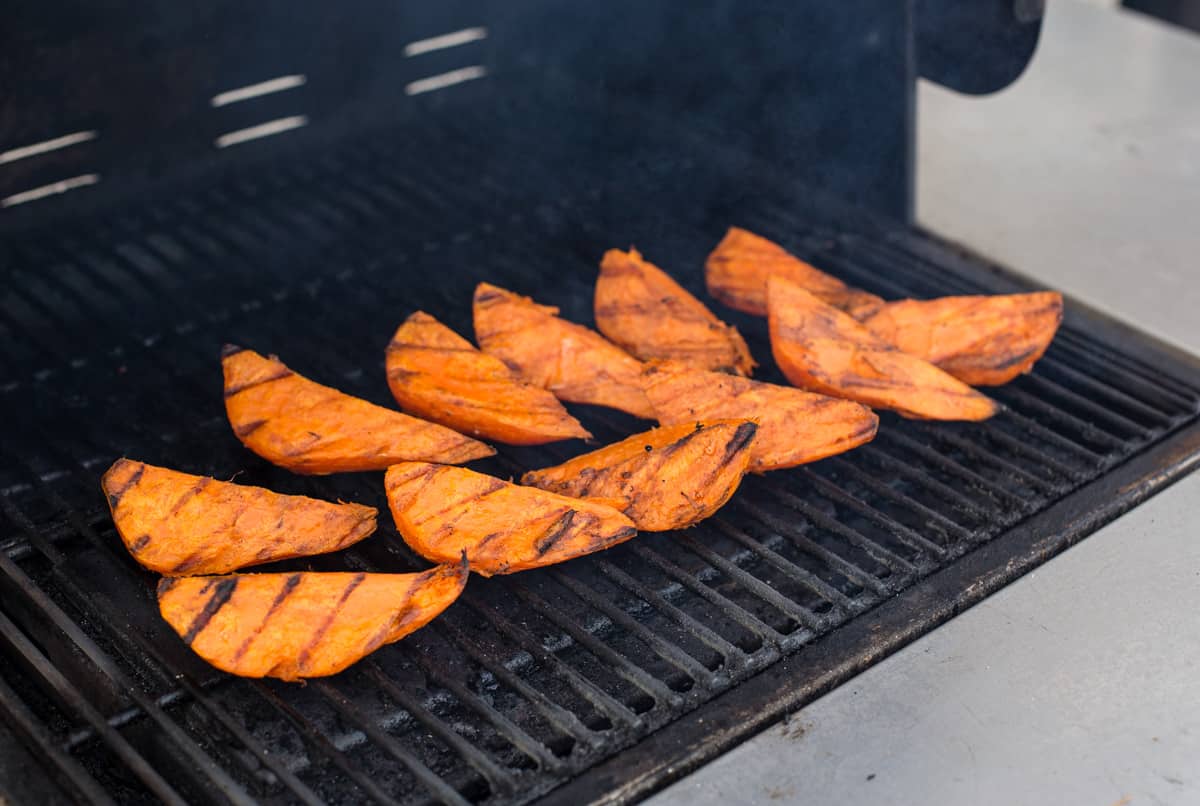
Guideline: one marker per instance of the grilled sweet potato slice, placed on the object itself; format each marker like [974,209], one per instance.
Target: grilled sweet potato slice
[794,427]
[293,626]
[736,273]
[176,523]
[823,349]
[576,363]
[642,309]
[443,512]
[981,340]
[308,428]
[437,374]
[670,478]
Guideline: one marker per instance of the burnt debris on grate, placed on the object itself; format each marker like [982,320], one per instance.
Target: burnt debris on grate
[110,338]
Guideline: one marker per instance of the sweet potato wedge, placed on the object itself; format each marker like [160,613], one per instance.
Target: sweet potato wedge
[981,340]
[437,374]
[442,512]
[670,478]
[176,523]
[642,309]
[308,428]
[736,273]
[294,626]
[575,363]
[824,350]
[794,427]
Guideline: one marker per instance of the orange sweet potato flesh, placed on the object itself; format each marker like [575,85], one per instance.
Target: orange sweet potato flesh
[308,428]
[294,626]
[670,478]
[794,427]
[824,350]
[575,363]
[176,523]
[642,309]
[437,374]
[736,273]
[442,512]
[981,340]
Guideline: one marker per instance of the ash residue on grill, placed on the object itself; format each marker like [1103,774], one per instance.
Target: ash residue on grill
[111,336]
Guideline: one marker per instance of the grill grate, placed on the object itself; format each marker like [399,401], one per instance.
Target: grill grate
[110,336]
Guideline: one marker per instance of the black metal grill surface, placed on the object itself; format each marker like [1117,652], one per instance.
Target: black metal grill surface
[109,335]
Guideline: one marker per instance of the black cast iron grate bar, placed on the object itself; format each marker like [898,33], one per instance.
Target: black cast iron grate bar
[759,628]
[650,685]
[389,744]
[67,693]
[840,601]
[1037,458]
[31,727]
[101,661]
[1037,430]
[314,738]
[560,718]
[807,622]
[1116,397]
[874,550]
[796,533]
[1182,394]
[1115,421]
[729,653]
[916,542]
[521,740]
[669,652]
[497,780]
[876,487]
[612,708]
[1019,400]
[968,506]
[1001,496]
[979,454]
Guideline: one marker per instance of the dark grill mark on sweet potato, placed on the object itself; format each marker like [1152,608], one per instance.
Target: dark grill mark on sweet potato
[555,532]
[289,585]
[278,376]
[741,439]
[196,489]
[319,633]
[221,595]
[248,428]
[114,496]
